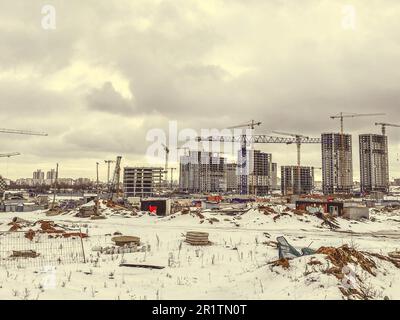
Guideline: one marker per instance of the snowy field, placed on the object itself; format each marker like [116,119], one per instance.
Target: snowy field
[235,266]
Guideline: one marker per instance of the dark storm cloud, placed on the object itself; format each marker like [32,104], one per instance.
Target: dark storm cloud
[112,70]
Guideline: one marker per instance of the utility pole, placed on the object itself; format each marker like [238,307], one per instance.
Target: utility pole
[97,189]
[54,188]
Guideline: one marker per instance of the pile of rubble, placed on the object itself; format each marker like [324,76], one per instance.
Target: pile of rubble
[340,263]
[327,220]
[48,227]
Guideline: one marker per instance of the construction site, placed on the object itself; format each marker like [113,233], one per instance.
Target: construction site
[139,235]
[202,150]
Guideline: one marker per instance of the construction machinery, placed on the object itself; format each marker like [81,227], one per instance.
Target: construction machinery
[384,125]
[383,128]
[166,162]
[244,140]
[298,137]
[8,155]
[114,187]
[341,117]
[26,132]
[243,152]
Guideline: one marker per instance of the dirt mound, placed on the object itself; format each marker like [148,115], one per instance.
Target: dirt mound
[284,263]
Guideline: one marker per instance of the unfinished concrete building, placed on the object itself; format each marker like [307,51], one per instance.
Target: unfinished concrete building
[255,172]
[274,178]
[337,163]
[290,180]
[374,163]
[142,181]
[202,171]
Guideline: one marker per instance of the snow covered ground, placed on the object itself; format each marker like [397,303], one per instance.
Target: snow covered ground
[235,266]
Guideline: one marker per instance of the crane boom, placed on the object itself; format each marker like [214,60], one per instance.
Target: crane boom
[260,138]
[7,155]
[298,137]
[343,115]
[31,133]
[244,140]
[251,124]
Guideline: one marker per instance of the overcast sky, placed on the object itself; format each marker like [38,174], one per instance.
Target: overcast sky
[112,70]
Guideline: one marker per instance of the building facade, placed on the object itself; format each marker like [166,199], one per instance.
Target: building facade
[274,179]
[254,172]
[38,177]
[337,163]
[290,180]
[231,177]
[374,163]
[202,171]
[142,181]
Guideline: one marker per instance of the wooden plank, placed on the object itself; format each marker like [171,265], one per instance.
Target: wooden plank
[146,266]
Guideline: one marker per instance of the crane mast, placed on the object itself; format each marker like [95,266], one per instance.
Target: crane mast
[341,117]
[242,163]
[114,187]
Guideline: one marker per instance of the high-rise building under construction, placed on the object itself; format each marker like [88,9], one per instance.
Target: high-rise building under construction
[337,163]
[374,163]
[255,172]
[290,180]
[202,171]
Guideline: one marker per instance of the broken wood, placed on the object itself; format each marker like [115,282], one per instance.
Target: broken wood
[146,266]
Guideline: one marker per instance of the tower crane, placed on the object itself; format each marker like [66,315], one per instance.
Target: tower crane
[341,116]
[114,187]
[384,125]
[26,132]
[243,152]
[298,137]
[11,154]
[243,139]
[166,162]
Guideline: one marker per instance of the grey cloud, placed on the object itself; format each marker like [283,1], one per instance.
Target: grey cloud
[107,99]
[203,63]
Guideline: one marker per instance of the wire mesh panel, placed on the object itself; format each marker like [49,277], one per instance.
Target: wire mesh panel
[19,251]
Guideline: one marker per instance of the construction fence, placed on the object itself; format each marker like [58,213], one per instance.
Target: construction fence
[19,251]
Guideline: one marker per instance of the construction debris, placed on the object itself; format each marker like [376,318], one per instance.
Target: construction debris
[328,220]
[196,238]
[147,266]
[284,263]
[24,254]
[126,240]
[345,255]
[286,251]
